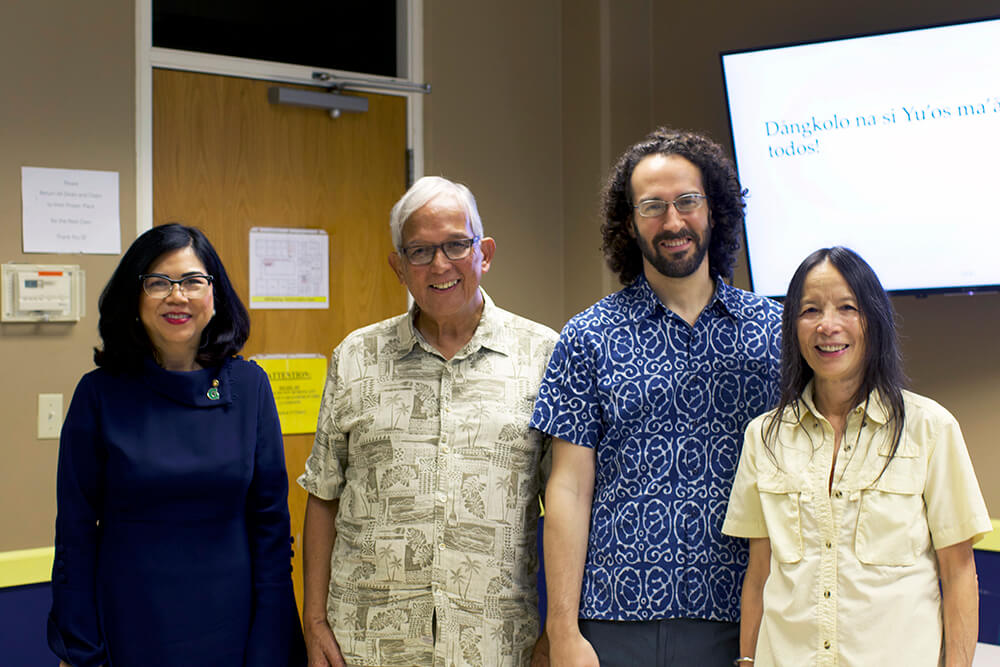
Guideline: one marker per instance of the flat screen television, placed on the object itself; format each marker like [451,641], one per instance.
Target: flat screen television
[888,144]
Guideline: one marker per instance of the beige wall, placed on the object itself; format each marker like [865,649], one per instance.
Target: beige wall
[532,101]
[67,74]
[493,122]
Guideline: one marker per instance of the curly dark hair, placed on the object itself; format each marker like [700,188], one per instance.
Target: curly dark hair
[126,344]
[725,200]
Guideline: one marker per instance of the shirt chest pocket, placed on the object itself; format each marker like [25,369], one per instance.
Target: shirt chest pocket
[892,524]
[780,501]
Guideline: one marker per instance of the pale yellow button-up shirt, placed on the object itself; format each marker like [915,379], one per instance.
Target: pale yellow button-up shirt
[853,578]
[438,477]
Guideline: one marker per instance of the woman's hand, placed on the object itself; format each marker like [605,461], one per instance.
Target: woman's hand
[752,599]
[959,602]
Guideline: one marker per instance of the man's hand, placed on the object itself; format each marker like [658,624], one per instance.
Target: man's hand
[569,498]
[322,646]
[319,534]
[540,653]
[572,651]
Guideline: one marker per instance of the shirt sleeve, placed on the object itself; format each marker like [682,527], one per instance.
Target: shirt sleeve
[74,631]
[744,514]
[568,404]
[774,356]
[275,634]
[956,510]
[324,469]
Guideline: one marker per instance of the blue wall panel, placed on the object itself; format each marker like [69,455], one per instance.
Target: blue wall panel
[988,569]
[23,612]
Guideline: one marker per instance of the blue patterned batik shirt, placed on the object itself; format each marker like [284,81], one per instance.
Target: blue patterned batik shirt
[665,404]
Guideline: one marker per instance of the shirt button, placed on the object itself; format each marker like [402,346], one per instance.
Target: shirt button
[826,594]
[829,544]
[441,546]
[826,644]
[839,494]
[444,449]
[847,448]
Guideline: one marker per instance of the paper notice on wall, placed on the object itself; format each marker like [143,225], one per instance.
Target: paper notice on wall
[70,211]
[289,268]
[297,381]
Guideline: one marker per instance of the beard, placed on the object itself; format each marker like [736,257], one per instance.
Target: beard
[674,268]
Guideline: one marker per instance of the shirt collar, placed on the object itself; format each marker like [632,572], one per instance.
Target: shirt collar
[641,301]
[490,332]
[876,410]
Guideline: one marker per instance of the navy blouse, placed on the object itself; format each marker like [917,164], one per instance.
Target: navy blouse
[172,534]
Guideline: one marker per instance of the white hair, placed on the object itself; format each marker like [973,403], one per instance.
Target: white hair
[423,191]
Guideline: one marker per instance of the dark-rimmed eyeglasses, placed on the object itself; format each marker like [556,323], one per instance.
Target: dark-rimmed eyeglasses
[160,286]
[421,255]
[654,208]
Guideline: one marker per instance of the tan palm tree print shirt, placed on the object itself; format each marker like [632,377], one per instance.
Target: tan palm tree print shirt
[438,477]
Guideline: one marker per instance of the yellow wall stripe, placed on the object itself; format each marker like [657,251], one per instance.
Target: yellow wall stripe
[32,566]
[992,541]
[27,566]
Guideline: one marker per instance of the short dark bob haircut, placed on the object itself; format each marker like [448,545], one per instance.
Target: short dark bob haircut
[883,360]
[126,344]
[725,201]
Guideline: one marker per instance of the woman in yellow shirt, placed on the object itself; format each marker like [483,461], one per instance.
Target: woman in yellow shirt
[858,497]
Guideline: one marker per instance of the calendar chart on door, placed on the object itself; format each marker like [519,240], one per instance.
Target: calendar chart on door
[289,268]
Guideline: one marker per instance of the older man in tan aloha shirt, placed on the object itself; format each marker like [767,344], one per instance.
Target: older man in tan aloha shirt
[423,480]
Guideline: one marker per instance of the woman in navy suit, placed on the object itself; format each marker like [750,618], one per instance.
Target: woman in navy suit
[172,534]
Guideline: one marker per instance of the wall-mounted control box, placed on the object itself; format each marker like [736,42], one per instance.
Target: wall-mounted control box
[42,293]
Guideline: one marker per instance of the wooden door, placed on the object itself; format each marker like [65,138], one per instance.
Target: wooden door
[226,160]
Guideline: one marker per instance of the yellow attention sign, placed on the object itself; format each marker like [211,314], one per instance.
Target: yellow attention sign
[297,383]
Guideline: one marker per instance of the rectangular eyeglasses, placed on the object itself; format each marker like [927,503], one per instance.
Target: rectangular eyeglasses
[654,208]
[421,255]
[160,286]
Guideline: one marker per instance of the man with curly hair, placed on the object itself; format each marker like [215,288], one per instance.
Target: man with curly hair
[646,396]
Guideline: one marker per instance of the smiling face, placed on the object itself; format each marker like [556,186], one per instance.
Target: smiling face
[674,245]
[446,290]
[174,323]
[831,329]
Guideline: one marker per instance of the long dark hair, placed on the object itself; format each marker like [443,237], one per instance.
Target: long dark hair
[883,362]
[725,201]
[125,343]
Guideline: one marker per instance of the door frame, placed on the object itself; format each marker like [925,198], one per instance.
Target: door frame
[410,37]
